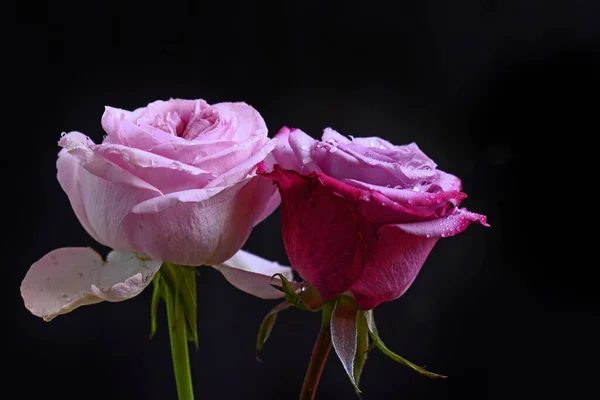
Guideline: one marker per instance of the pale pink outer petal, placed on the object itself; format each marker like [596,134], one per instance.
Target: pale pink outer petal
[107,192]
[68,171]
[201,226]
[68,278]
[253,274]
[270,206]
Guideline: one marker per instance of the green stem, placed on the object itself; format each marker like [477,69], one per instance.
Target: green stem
[318,357]
[179,348]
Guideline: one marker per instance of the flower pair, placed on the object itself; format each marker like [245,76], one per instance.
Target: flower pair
[183,183]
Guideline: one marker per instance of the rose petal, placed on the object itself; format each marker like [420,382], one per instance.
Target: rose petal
[121,127]
[162,173]
[244,169]
[68,170]
[192,153]
[253,274]
[415,198]
[321,232]
[331,135]
[107,192]
[453,224]
[270,206]
[392,261]
[68,278]
[170,116]
[79,146]
[249,124]
[201,226]
[292,151]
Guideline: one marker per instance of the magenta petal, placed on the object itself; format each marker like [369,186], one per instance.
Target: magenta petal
[253,274]
[322,235]
[393,260]
[68,278]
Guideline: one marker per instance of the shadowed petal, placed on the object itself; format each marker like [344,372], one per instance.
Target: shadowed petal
[71,277]
[253,274]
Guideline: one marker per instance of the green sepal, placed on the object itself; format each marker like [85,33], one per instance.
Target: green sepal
[156,296]
[303,299]
[176,286]
[344,335]
[383,348]
[266,326]
[362,346]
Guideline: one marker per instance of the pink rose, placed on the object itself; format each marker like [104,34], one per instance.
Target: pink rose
[174,181]
[361,215]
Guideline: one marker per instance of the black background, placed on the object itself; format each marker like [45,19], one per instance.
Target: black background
[501,93]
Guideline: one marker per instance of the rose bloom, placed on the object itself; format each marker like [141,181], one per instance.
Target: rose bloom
[174,181]
[361,215]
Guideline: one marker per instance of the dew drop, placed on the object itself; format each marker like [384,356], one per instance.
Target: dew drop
[306,160]
[333,149]
[351,137]
[416,189]
[304,147]
[63,134]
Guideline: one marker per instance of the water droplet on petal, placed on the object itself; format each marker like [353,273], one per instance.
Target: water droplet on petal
[333,149]
[304,147]
[416,189]
[306,160]
[351,137]
[63,134]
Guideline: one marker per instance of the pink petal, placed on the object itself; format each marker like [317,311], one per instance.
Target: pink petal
[331,135]
[192,153]
[253,274]
[453,224]
[293,149]
[162,173]
[121,127]
[68,176]
[414,198]
[68,278]
[106,192]
[244,169]
[270,206]
[201,226]
[79,146]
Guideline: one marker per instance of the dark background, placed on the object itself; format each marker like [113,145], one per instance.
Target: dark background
[501,93]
